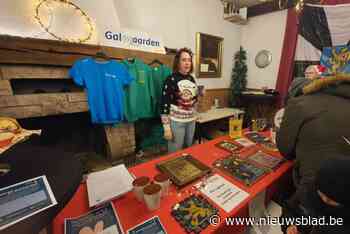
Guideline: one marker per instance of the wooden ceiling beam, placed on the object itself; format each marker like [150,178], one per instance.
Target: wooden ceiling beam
[272,6]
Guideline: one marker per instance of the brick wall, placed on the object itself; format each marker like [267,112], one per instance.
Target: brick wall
[120,141]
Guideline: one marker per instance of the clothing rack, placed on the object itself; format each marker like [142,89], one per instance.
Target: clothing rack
[34,61]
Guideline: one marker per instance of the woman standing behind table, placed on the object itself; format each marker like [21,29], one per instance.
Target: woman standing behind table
[178,99]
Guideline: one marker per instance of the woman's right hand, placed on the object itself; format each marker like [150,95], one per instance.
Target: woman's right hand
[168,134]
[292,230]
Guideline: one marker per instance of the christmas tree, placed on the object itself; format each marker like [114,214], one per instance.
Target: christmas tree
[238,76]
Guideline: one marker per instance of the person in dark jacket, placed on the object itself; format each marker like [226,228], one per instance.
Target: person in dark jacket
[314,129]
[326,202]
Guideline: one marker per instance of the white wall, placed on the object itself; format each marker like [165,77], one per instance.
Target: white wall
[177,21]
[264,32]
[17,18]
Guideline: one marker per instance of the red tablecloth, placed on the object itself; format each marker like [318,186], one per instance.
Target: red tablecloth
[131,212]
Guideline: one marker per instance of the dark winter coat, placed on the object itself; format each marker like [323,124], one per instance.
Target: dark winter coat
[312,131]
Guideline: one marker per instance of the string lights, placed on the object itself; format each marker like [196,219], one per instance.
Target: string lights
[49,23]
[68,3]
[298,5]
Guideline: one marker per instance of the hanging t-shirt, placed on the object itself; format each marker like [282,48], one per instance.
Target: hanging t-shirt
[138,95]
[104,83]
[159,75]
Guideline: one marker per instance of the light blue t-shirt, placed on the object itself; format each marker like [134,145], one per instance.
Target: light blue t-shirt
[104,83]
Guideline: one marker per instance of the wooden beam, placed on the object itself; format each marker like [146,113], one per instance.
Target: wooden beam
[17,50]
[272,6]
[33,72]
[41,99]
[32,99]
[65,108]
[21,112]
[5,88]
[77,97]
[267,7]
[36,105]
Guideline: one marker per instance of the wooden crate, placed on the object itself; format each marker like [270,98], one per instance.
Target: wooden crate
[120,141]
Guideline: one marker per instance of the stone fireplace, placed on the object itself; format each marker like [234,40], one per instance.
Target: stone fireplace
[35,88]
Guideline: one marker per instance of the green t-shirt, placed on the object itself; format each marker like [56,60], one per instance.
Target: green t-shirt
[159,75]
[149,133]
[138,95]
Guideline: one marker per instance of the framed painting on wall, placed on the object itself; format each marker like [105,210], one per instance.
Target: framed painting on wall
[208,55]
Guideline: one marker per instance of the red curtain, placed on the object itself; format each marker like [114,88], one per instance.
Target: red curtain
[335,2]
[285,72]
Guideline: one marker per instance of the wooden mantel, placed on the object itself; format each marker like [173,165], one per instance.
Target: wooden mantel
[28,58]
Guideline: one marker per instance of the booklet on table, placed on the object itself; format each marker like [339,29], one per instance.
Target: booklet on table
[24,199]
[101,220]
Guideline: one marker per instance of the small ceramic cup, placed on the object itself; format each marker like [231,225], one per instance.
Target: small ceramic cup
[152,194]
[164,181]
[139,184]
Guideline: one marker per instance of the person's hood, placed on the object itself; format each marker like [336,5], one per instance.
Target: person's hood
[338,85]
[296,88]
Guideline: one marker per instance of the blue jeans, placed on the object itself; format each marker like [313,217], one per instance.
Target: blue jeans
[182,135]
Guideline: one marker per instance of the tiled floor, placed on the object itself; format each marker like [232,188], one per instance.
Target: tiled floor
[275,211]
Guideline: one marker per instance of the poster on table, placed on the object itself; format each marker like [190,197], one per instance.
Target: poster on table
[103,220]
[24,199]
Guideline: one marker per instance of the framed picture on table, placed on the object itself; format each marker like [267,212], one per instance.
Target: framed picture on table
[183,169]
[229,146]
